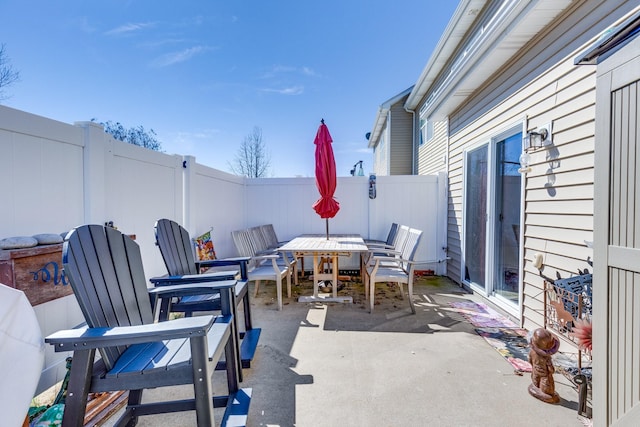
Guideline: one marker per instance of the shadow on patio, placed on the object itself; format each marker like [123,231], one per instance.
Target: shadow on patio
[338,365]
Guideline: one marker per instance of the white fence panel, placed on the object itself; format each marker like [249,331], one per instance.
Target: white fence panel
[142,186]
[413,201]
[56,176]
[217,203]
[287,204]
[40,174]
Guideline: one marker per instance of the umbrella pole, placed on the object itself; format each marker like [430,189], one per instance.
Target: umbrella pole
[327,219]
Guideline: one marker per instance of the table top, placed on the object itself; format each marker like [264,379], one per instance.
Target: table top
[319,243]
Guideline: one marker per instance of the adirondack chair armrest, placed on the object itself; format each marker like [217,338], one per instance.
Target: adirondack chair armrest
[191,288]
[223,262]
[241,261]
[194,278]
[88,338]
[217,275]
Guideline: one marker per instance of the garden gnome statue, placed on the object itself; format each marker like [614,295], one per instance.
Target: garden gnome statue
[543,345]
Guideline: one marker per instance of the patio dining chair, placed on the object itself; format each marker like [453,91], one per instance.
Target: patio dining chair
[262,266]
[391,236]
[391,250]
[396,267]
[176,248]
[104,268]
[264,244]
[273,243]
[271,237]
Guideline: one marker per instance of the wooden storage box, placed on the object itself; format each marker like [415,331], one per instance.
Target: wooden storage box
[36,271]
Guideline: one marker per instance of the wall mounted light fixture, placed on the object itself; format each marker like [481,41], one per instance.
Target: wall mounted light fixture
[534,140]
[537,139]
[360,171]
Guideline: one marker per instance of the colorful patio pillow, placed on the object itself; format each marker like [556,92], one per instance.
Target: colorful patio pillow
[204,247]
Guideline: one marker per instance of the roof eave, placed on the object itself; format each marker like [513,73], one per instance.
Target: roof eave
[383,112]
[462,19]
[381,119]
[505,32]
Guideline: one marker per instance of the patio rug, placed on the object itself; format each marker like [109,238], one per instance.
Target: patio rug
[482,316]
[511,343]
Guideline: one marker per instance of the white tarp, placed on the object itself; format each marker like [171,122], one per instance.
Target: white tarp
[21,355]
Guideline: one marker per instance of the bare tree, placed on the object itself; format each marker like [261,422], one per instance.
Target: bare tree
[8,75]
[252,159]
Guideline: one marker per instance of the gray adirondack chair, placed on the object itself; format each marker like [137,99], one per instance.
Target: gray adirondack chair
[177,252]
[394,266]
[104,268]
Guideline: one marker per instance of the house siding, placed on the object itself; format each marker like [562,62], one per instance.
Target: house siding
[543,85]
[432,155]
[400,123]
[558,217]
[392,138]
[558,204]
[381,153]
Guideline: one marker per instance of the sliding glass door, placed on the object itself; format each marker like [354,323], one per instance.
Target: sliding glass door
[492,207]
[507,217]
[476,216]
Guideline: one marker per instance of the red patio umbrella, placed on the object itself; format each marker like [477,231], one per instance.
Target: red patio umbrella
[326,206]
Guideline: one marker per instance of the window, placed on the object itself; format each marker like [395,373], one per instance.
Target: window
[426,128]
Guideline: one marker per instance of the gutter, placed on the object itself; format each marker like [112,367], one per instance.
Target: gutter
[416,147]
[611,40]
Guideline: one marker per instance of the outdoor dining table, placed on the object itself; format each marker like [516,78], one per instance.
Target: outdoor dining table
[319,246]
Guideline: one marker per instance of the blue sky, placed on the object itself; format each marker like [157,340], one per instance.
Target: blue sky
[202,74]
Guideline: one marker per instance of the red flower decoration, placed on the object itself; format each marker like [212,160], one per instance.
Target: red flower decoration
[583,332]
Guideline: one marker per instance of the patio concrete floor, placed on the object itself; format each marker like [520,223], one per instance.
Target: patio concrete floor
[335,364]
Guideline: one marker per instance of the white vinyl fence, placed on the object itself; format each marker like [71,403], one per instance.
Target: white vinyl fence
[56,176]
